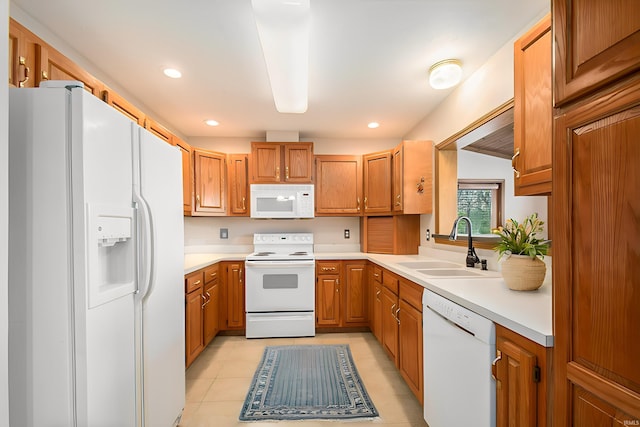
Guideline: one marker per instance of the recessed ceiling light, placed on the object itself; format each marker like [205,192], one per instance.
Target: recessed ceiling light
[173,73]
[445,74]
[373,125]
[211,122]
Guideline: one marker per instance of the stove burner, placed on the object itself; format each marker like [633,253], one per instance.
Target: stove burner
[299,253]
[264,253]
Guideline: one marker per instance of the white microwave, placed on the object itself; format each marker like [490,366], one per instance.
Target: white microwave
[282,201]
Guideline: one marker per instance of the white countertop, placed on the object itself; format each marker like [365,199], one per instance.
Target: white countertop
[529,313]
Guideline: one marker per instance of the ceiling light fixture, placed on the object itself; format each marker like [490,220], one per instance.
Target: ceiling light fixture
[211,122]
[283,28]
[445,74]
[173,73]
[373,125]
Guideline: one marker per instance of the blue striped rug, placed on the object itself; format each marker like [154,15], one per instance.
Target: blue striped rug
[307,382]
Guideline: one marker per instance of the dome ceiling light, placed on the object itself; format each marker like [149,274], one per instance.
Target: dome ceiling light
[445,74]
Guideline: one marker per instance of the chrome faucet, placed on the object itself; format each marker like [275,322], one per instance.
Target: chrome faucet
[472,258]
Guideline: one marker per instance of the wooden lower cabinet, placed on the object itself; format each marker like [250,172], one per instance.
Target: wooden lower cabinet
[194,300]
[341,294]
[390,326]
[375,301]
[234,295]
[410,360]
[211,308]
[523,379]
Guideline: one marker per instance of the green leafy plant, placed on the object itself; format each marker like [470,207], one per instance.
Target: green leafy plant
[520,238]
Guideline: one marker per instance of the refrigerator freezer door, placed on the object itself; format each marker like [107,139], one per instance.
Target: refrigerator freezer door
[104,262]
[162,329]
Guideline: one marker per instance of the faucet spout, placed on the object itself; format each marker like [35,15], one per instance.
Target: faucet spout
[472,257]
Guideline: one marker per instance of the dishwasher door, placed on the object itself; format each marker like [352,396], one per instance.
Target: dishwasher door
[459,346]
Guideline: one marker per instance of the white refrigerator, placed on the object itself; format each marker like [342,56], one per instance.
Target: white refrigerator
[96,293]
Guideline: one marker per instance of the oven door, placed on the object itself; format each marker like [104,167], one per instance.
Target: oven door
[279,286]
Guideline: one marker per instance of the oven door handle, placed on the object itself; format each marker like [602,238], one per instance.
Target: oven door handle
[278,264]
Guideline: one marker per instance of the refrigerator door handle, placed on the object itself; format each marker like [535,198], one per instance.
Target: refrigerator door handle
[145,249]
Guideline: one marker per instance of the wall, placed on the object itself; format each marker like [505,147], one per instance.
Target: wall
[4,219]
[485,90]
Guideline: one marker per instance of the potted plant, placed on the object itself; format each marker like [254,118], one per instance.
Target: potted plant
[522,268]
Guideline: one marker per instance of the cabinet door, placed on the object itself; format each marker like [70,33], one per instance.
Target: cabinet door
[187,175]
[355,297]
[298,162]
[238,185]
[596,181]
[328,300]
[410,348]
[235,295]
[338,185]
[389,320]
[516,396]
[55,66]
[376,302]
[265,162]
[122,105]
[397,180]
[211,313]
[596,42]
[24,50]
[210,184]
[532,111]
[377,182]
[193,325]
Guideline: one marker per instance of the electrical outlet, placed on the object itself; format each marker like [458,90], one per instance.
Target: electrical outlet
[428,236]
[347,233]
[224,233]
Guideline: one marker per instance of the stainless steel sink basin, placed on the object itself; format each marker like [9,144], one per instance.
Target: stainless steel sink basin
[428,264]
[460,272]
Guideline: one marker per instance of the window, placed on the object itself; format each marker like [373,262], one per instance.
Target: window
[482,202]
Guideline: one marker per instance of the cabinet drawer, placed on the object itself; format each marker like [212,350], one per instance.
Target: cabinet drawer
[390,281]
[328,267]
[411,293]
[211,273]
[377,274]
[193,281]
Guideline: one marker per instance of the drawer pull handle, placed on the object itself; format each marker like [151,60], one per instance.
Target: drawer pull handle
[23,62]
[196,283]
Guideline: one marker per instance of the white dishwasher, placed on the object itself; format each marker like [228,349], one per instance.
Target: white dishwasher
[459,346]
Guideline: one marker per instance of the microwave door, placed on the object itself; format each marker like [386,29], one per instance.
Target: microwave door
[276,206]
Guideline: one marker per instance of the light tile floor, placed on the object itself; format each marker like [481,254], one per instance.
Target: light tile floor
[218,381]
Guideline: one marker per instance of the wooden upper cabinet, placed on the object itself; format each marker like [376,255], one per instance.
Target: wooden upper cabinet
[338,185]
[24,51]
[413,177]
[276,162]
[238,188]
[210,191]
[125,107]
[187,175]
[158,130]
[532,108]
[55,66]
[596,42]
[377,182]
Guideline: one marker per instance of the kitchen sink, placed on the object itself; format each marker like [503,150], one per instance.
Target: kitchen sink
[428,264]
[450,272]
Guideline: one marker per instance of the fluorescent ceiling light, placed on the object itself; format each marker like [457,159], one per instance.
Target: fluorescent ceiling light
[445,74]
[283,28]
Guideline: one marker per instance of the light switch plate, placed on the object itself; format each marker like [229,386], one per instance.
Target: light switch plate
[224,233]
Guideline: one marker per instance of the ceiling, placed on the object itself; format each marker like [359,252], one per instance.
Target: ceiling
[368,58]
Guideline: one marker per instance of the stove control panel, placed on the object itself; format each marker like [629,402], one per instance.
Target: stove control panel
[282,238]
